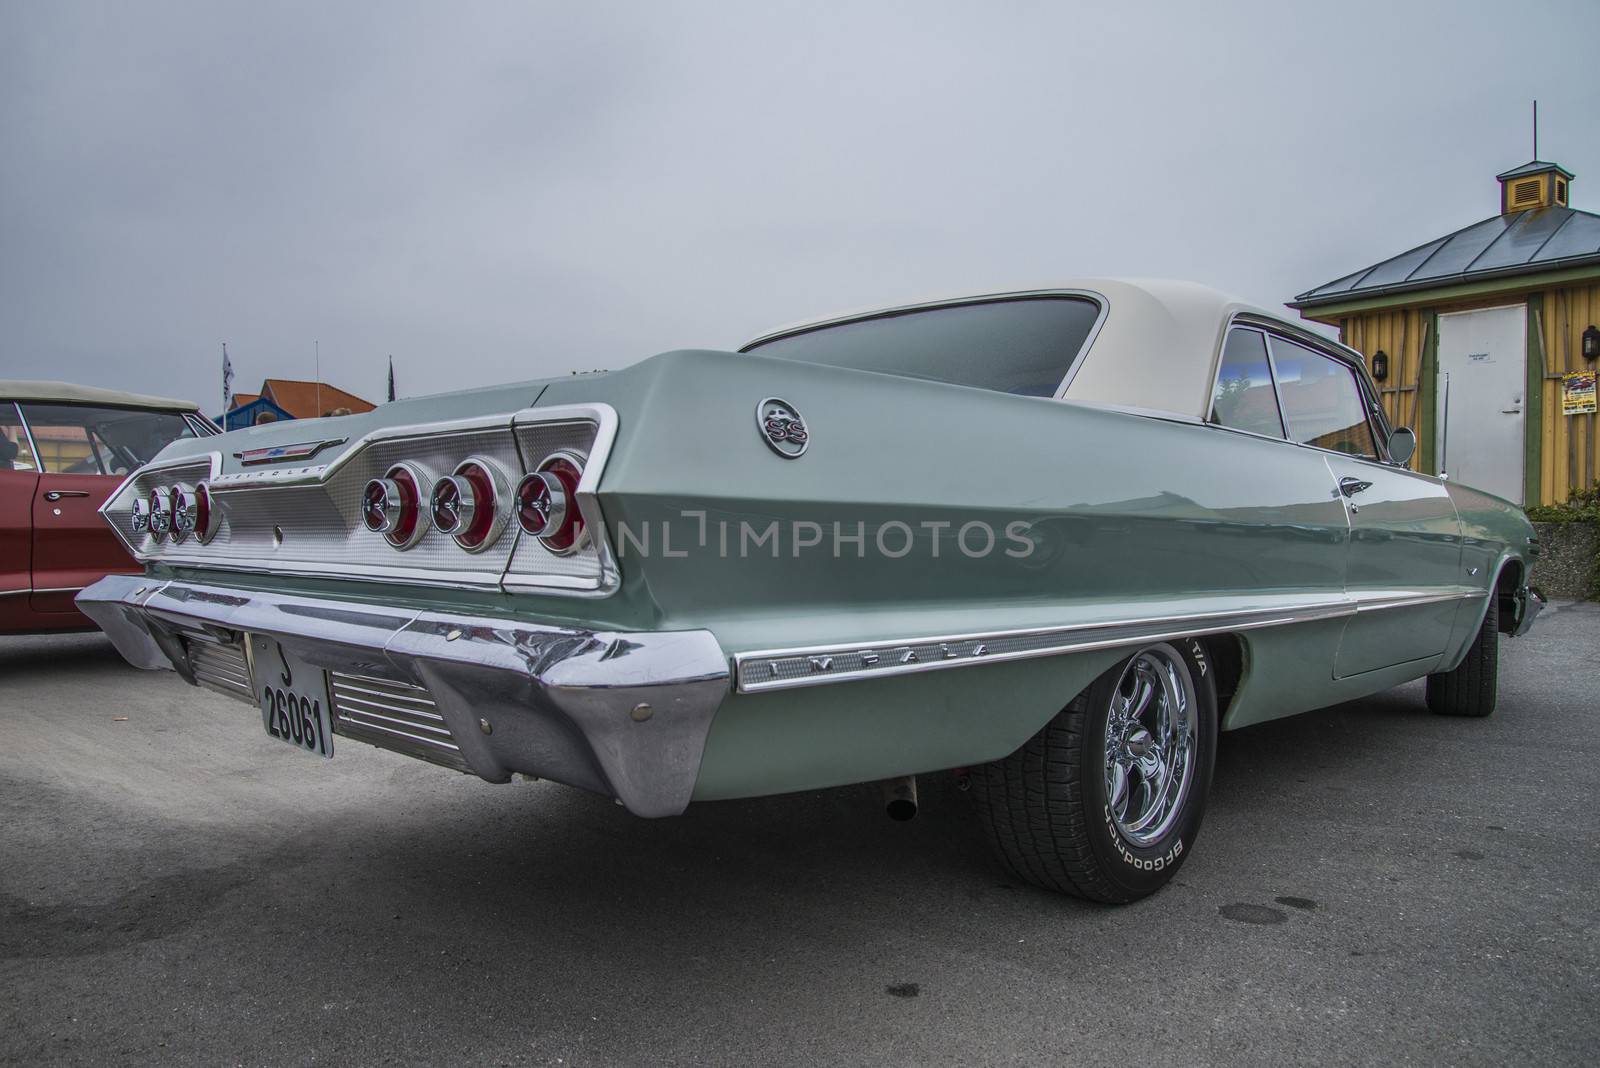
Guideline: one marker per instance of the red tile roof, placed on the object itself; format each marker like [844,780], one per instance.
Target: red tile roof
[308,400]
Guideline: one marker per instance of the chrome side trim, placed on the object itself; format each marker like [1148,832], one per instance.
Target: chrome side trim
[39,589]
[776,669]
[1377,602]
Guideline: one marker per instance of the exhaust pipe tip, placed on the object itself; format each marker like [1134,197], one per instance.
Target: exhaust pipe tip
[900,798]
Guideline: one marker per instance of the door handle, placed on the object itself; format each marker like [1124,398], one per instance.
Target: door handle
[1349,487]
[1511,411]
[56,495]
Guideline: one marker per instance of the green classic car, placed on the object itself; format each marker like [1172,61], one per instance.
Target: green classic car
[1054,539]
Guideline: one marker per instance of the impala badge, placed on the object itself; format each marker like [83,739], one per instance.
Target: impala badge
[274,454]
[782,428]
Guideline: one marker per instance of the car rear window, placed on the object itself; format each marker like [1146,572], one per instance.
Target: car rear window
[1022,346]
[76,439]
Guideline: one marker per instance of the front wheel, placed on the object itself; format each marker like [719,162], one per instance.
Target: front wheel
[1105,802]
[1472,688]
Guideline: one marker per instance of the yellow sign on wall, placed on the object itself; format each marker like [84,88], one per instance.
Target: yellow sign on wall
[1577,393]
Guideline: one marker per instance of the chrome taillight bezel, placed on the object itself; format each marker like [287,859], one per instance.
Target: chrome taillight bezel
[402,519]
[159,503]
[481,490]
[181,512]
[207,517]
[541,502]
[571,531]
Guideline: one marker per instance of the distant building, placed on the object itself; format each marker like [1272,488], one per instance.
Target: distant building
[291,398]
[1489,324]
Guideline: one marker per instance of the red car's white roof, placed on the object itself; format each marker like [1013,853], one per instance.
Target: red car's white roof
[68,393]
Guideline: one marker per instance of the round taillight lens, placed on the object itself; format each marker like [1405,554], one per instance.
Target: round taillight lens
[180,499]
[205,514]
[542,503]
[392,506]
[139,515]
[563,534]
[452,504]
[375,504]
[160,510]
[470,503]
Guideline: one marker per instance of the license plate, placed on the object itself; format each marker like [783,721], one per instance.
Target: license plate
[293,696]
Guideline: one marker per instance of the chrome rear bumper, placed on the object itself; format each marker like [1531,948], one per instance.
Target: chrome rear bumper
[625,714]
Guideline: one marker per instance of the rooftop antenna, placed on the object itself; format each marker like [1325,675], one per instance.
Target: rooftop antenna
[1536,130]
[318,346]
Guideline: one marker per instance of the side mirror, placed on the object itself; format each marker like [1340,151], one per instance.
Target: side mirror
[1402,444]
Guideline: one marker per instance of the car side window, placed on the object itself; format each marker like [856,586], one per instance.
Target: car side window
[15,454]
[1243,398]
[1321,400]
[76,439]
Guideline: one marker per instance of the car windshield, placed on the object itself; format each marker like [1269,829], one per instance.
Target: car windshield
[76,439]
[1024,346]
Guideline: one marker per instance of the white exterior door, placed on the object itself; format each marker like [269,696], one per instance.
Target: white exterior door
[1482,379]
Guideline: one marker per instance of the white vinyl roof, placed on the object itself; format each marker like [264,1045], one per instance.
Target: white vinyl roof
[68,393]
[1156,350]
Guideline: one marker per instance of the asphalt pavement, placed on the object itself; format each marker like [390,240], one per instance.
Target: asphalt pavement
[1373,885]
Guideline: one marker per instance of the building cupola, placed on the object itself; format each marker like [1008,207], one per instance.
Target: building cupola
[1533,185]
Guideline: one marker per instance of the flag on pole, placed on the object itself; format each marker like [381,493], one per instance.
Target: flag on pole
[391,378]
[227,382]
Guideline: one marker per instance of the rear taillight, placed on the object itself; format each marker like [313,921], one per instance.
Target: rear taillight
[542,503]
[206,516]
[547,503]
[140,515]
[470,503]
[392,506]
[160,508]
[180,499]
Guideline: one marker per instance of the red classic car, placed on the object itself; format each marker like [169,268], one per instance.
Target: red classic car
[63,450]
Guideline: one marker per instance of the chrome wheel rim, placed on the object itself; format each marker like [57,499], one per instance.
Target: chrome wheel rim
[1150,741]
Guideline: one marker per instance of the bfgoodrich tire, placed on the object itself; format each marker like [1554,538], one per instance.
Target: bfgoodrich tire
[1105,802]
[1473,688]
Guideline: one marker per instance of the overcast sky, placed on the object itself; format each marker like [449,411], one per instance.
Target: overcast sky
[503,191]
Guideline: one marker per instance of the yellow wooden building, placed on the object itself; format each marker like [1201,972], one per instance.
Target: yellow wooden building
[1477,341]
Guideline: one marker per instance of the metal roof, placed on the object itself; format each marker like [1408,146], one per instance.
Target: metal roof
[1537,166]
[69,393]
[1524,242]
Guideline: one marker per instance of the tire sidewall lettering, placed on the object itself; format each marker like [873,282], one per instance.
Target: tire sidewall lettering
[1142,866]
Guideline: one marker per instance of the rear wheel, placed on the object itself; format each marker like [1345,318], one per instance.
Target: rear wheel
[1105,802]
[1473,687]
